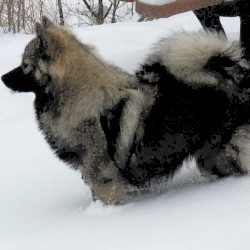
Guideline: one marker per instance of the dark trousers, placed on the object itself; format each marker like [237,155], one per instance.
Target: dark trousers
[210,19]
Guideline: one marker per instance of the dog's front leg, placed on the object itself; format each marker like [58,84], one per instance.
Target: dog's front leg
[98,170]
[105,181]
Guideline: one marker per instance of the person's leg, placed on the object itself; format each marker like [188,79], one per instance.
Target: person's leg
[245,28]
[209,20]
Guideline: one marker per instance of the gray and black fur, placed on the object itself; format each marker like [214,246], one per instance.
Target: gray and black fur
[78,99]
[202,105]
[191,97]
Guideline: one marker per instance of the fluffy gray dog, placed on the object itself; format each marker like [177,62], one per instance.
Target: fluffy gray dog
[191,99]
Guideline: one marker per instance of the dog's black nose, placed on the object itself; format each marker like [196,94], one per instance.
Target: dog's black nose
[4,78]
[9,78]
[12,76]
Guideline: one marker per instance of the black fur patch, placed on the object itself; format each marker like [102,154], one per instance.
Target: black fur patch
[69,155]
[184,119]
[110,122]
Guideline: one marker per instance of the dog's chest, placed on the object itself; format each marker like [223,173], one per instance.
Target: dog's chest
[57,130]
[64,140]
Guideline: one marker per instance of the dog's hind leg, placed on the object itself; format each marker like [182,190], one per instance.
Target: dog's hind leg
[223,160]
[241,140]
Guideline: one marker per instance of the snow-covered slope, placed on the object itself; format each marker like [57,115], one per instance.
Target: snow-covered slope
[46,206]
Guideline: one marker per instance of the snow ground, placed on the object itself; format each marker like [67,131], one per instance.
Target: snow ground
[157,2]
[46,206]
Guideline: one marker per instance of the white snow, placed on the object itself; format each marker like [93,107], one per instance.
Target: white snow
[157,2]
[44,205]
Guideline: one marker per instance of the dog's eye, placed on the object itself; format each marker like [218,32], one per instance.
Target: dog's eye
[25,66]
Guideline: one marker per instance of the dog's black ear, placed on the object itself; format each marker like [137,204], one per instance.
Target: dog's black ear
[41,34]
[39,30]
[49,40]
[46,22]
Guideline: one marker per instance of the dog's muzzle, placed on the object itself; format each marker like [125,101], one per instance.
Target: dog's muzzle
[16,80]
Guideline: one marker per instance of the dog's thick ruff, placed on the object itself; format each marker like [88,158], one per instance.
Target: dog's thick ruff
[190,98]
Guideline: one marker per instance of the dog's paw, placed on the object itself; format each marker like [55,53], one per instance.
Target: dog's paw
[110,193]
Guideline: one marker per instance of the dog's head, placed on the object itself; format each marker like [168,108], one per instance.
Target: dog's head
[38,57]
